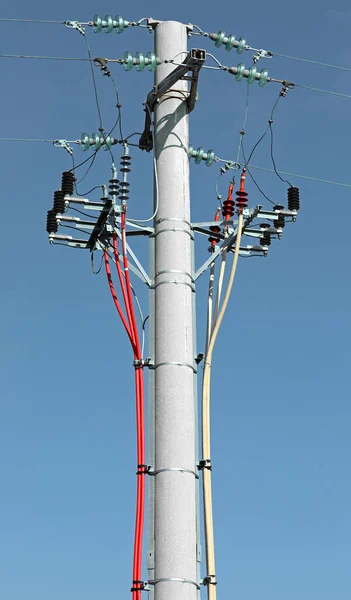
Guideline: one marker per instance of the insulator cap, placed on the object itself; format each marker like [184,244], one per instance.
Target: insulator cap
[68,180]
[293,198]
[280,222]
[59,202]
[51,223]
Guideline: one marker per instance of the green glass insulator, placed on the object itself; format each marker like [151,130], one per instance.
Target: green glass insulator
[107,143]
[96,141]
[140,58]
[263,77]
[199,154]
[85,141]
[191,152]
[210,158]
[252,75]
[240,73]
[220,38]
[121,23]
[241,45]
[230,43]
[152,61]
[128,61]
[109,24]
[98,23]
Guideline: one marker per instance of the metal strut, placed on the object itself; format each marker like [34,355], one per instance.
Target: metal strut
[193,62]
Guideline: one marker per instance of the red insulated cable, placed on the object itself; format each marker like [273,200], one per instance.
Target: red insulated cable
[123,286]
[114,296]
[139,384]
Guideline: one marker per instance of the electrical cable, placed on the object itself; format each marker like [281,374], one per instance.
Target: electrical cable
[36,57]
[265,132]
[272,157]
[206,447]
[307,87]
[2,19]
[313,62]
[252,177]
[155,175]
[94,81]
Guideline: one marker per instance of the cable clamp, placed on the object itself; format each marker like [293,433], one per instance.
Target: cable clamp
[261,54]
[138,363]
[143,470]
[205,463]
[75,25]
[138,586]
[63,144]
[209,580]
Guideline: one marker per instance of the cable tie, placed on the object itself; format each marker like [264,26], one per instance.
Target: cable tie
[138,586]
[143,470]
[138,363]
[205,463]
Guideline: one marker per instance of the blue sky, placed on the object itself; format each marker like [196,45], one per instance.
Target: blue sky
[281,414]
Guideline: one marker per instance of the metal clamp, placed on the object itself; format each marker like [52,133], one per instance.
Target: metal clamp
[176,579]
[192,287]
[205,463]
[175,363]
[180,469]
[189,233]
[75,25]
[175,271]
[209,580]
[174,219]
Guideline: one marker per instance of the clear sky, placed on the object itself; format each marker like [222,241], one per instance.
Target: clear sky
[281,400]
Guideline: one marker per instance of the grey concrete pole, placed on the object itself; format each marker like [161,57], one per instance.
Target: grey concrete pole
[175,490]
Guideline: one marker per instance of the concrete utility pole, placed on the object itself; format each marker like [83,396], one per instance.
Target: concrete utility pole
[175,415]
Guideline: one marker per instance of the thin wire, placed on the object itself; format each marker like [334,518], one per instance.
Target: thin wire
[307,87]
[81,212]
[30,21]
[92,189]
[94,80]
[313,62]
[93,158]
[69,58]
[75,228]
[252,177]
[242,132]
[156,175]
[6,139]
[119,106]
[92,264]
[266,131]
[338,183]
[272,157]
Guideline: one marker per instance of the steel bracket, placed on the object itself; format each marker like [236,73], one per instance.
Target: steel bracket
[193,62]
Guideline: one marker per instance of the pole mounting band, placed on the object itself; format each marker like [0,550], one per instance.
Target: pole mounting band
[176,364]
[175,271]
[177,282]
[174,229]
[180,469]
[175,579]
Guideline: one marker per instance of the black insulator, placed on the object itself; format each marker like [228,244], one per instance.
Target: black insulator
[51,223]
[125,163]
[68,180]
[113,187]
[266,239]
[59,202]
[280,222]
[293,198]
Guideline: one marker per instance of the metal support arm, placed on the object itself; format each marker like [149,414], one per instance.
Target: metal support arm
[193,62]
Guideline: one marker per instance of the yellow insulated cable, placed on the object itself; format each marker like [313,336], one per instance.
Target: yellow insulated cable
[206,445]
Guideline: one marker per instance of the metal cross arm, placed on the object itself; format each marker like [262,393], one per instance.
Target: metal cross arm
[100,224]
[193,62]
